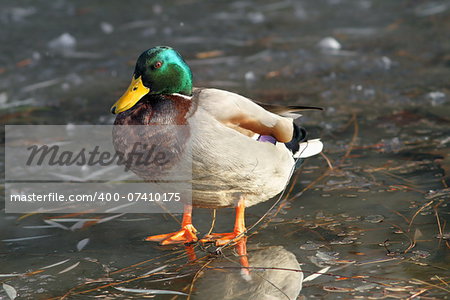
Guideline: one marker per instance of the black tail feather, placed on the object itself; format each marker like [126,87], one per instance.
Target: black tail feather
[298,136]
[280,109]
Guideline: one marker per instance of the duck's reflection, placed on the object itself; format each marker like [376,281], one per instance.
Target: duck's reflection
[190,252]
[265,273]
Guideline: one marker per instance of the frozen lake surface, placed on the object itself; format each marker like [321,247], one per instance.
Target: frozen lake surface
[377,221]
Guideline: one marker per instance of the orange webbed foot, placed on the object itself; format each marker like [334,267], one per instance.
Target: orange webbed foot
[187,234]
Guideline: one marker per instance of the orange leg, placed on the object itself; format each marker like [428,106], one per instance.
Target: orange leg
[239,228]
[185,235]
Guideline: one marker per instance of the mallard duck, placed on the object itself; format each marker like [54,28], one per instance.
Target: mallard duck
[243,152]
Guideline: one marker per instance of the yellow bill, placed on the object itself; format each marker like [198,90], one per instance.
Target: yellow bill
[133,94]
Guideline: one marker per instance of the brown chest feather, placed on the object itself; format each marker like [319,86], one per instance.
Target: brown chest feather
[140,141]
[157,110]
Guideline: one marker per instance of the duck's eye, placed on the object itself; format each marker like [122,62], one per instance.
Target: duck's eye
[157,65]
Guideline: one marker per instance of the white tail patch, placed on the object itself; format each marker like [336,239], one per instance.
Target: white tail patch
[309,148]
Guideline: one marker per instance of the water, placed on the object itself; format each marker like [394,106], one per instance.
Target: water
[373,218]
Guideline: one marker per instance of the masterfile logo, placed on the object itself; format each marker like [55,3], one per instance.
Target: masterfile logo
[98,168]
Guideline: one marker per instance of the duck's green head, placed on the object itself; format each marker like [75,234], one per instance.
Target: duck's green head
[159,70]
